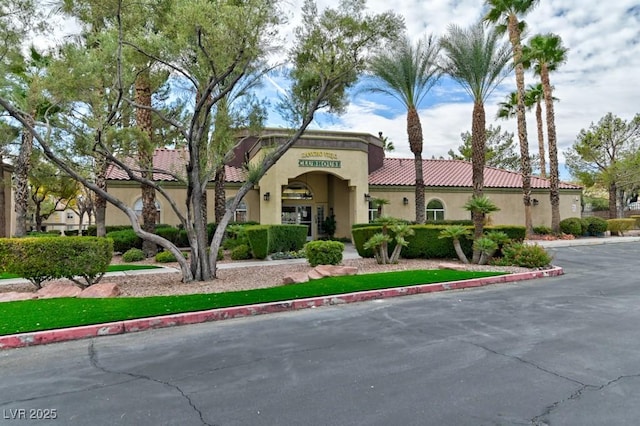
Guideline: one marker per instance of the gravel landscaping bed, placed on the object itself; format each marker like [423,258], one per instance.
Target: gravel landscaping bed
[245,278]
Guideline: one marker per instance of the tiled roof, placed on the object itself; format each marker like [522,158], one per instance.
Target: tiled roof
[450,173]
[172,161]
[394,172]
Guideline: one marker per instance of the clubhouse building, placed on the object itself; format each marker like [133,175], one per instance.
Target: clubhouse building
[345,175]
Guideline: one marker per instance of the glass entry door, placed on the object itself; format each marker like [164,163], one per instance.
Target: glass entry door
[298,215]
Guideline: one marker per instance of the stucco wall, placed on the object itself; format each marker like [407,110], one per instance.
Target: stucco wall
[510,203]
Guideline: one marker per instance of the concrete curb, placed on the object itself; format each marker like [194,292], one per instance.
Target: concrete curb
[130,326]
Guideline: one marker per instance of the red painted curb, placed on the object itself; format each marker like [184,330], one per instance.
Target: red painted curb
[131,326]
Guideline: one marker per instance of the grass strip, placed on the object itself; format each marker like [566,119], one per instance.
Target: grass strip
[48,314]
[111,268]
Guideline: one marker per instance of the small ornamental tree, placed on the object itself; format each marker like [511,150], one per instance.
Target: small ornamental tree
[456,232]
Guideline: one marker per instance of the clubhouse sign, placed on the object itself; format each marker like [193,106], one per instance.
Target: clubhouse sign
[323,159]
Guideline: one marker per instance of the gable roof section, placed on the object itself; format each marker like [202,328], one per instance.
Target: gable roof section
[173,161]
[450,173]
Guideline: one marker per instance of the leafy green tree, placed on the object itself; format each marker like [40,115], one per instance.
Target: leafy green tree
[499,149]
[210,47]
[407,73]
[50,191]
[478,61]
[599,153]
[507,15]
[546,53]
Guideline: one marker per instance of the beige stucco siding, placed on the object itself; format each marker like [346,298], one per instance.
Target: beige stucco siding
[508,200]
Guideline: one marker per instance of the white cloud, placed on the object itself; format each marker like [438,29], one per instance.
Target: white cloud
[601,73]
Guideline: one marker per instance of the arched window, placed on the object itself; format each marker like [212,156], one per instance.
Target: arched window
[240,214]
[435,210]
[137,207]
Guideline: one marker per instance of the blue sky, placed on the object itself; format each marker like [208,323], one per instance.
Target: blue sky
[602,73]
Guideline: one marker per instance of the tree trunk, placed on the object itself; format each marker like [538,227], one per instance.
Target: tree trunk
[414,132]
[554,178]
[478,145]
[101,203]
[220,194]
[613,195]
[543,165]
[22,168]
[525,160]
[145,159]
[3,186]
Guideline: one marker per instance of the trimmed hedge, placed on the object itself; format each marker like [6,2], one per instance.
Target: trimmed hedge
[595,225]
[41,259]
[124,240]
[620,226]
[425,244]
[573,226]
[324,252]
[267,239]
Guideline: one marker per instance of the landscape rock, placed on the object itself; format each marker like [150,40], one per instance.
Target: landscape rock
[452,266]
[58,290]
[336,270]
[12,296]
[101,290]
[314,275]
[296,278]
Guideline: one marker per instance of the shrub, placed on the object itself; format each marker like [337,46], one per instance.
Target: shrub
[124,240]
[619,226]
[541,230]
[426,244]
[258,236]
[71,232]
[324,252]
[571,225]
[133,255]
[525,255]
[168,233]
[241,252]
[166,256]
[287,237]
[595,225]
[41,259]
[514,232]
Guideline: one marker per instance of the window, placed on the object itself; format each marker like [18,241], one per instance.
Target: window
[374,212]
[435,210]
[240,214]
[137,207]
[70,215]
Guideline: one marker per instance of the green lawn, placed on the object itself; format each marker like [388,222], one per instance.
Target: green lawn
[112,268]
[47,314]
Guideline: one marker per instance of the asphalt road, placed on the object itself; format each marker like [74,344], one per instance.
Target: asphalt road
[556,351]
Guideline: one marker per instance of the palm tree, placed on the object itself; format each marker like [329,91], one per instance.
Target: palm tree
[478,62]
[506,14]
[547,53]
[387,145]
[407,73]
[533,96]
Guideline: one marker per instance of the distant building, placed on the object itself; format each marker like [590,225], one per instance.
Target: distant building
[341,174]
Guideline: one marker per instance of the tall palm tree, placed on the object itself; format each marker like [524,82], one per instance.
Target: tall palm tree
[407,73]
[478,61]
[547,53]
[507,13]
[533,96]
